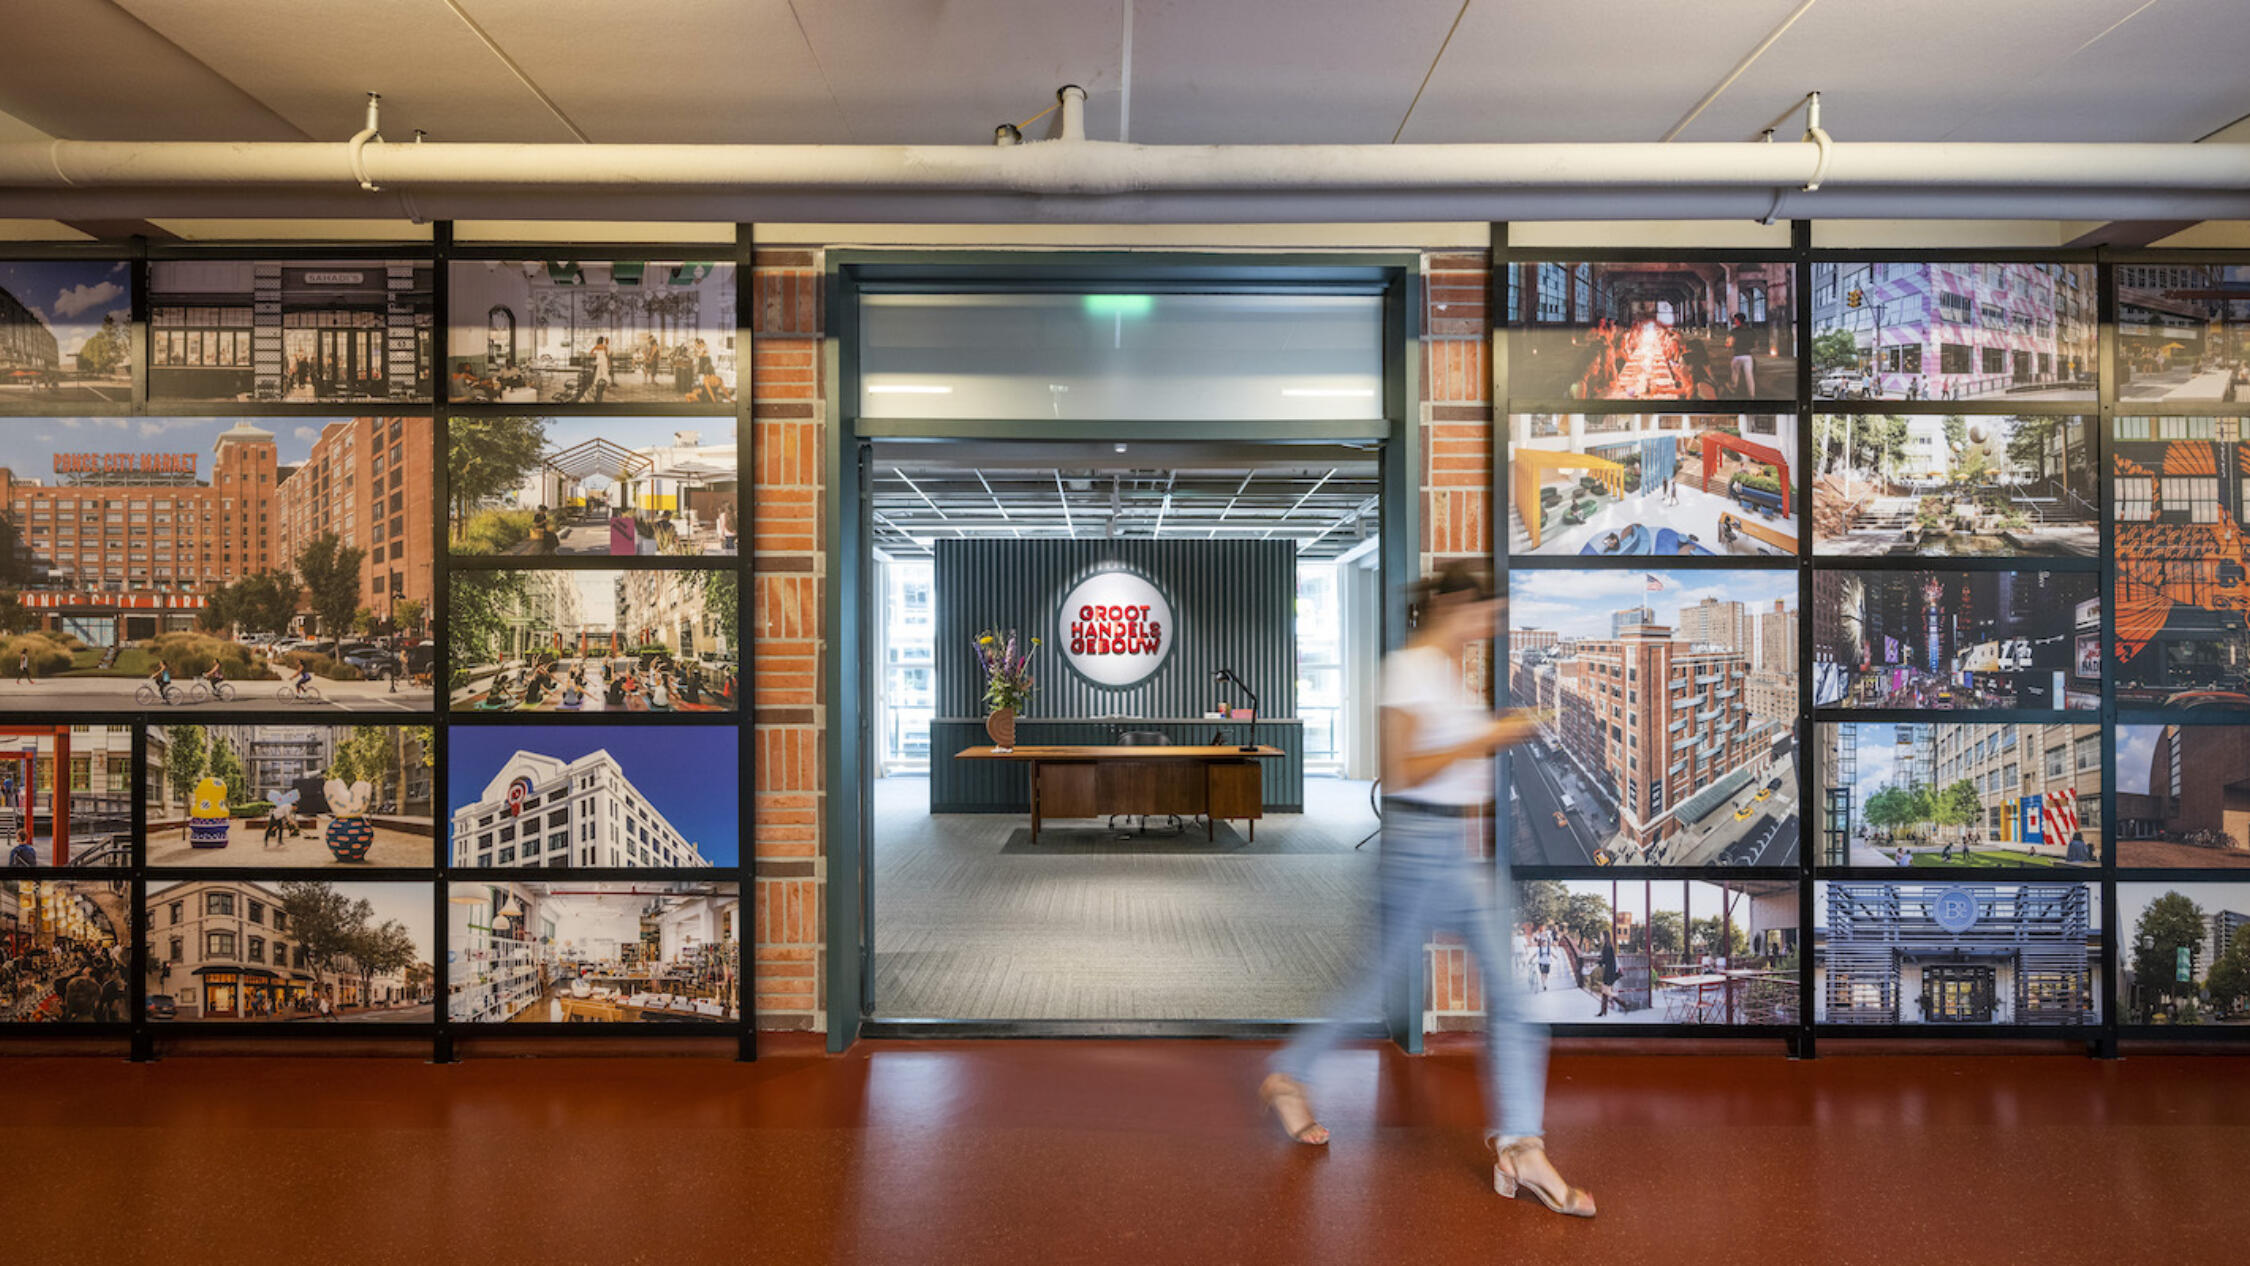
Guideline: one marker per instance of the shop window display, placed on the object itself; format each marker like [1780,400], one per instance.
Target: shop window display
[290,330]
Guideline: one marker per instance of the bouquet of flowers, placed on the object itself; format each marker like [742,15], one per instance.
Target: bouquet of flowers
[1008,680]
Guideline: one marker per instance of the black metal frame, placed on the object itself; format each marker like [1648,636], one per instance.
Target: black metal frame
[2106,1029]
[143,1038]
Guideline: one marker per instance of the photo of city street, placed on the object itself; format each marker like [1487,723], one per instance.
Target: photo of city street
[2183,795]
[2184,953]
[65,951]
[1651,331]
[1950,640]
[66,331]
[297,950]
[528,485]
[89,823]
[594,641]
[1667,705]
[598,795]
[2183,332]
[528,331]
[1657,951]
[537,953]
[306,796]
[1608,484]
[1945,794]
[1956,952]
[1953,486]
[293,331]
[213,564]
[2178,496]
[1888,330]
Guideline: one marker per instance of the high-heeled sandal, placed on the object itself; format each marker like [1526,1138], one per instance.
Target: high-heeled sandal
[1279,1092]
[1507,1179]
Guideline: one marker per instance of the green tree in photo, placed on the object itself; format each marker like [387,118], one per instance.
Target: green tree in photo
[1666,933]
[380,949]
[220,607]
[226,766]
[1542,902]
[2171,922]
[406,614]
[364,621]
[720,607]
[1957,806]
[108,352]
[332,576]
[187,752]
[478,622]
[1835,349]
[1736,942]
[264,602]
[327,923]
[2228,985]
[486,457]
[1586,918]
[16,617]
[15,561]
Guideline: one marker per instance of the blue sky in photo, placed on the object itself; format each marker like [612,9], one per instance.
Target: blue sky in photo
[72,296]
[1578,603]
[689,774]
[2136,747]
[28,445]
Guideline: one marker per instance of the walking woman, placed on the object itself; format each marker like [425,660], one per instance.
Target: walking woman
[1438,742]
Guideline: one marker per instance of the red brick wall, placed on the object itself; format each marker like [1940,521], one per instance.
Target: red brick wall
[787,449]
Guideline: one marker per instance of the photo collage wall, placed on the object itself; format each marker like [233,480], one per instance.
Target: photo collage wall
[1886,619]
[372,624]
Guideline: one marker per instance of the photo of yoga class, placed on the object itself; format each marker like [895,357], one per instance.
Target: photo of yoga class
[2184,953]
[526,331]
[1988,485]
[1657,951]
[1651,331]
[1662,485]
[593,796]
[1948,794]
[2183,795]
[594,952]
[529,485]
[594,641]
[1949,640]
[1960,953]
[1667,708]
[276,796]
[66,331]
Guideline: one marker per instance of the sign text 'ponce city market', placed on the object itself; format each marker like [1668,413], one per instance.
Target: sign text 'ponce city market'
[126,463]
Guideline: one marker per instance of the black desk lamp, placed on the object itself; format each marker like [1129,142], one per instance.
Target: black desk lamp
[1225,676]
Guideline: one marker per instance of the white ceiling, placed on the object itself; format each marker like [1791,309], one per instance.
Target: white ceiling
[1202,71]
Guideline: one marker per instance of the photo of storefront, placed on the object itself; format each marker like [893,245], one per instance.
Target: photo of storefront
[1903,330]
[592,331]
[1956,953]
[243,949]
[299,330]
[66,331]
[536,953]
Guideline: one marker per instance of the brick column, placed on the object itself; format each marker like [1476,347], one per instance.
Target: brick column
[789,715]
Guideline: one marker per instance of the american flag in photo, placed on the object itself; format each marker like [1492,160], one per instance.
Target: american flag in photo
[1655,582]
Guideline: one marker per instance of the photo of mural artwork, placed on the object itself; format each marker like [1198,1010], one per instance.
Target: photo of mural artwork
[2179,493]
[1671,484]
[1652,331]
[1892,330]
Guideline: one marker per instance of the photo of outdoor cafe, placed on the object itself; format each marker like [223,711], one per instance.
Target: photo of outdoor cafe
[1657,951]
[582,487]
[594,952]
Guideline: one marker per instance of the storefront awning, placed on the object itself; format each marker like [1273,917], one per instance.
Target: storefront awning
[1699,806]
[255,973]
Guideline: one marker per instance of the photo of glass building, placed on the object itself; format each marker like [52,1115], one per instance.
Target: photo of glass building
[66,330]
[1956,953]
[1944,331]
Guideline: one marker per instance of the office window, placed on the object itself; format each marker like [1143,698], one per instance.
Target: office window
[2136,499]
[218,945]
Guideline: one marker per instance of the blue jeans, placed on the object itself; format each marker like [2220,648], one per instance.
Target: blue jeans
[1430,883]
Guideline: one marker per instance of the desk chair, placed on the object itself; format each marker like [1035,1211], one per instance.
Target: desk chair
[1145,738]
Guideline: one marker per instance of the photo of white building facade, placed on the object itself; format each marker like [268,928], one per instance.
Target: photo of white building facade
[540,812]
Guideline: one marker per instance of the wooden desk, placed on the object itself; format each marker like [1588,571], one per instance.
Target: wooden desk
[1096,782]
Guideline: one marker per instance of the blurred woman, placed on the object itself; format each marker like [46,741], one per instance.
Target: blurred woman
[1438,742]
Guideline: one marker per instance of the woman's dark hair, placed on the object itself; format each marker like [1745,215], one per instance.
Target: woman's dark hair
[1456,581]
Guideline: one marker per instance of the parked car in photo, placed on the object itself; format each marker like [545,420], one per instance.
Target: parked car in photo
[162,1006]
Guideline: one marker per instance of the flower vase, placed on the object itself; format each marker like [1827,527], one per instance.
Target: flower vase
[1001,726]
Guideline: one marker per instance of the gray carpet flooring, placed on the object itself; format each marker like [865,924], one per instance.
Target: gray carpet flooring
[968,928]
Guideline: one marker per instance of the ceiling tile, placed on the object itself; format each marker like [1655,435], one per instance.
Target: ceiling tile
[1594,70]
[315,69]
[2174,72]
[686,71]
[91,72]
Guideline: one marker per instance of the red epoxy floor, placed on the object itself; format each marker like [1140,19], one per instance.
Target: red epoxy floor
[1141,1152]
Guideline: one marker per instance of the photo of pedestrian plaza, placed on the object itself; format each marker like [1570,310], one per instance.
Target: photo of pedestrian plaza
[1657,951]
[89,822]
[594,796]
[2183,795]
[1948,485]
[2179,496]
[1893,330]
[1956,953]
[2183,332]
[1662,485]
[1651,331]
[216,564]
[1666,707]
[291,331]
[65,951]
[1950,640]
[66,331]
[594,641]
[2184,953]
[526,331]
[552,952]
[1955,795]
[297,796]
[241,949]
[621,486]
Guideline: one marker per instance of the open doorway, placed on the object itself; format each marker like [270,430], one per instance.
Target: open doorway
[1119,886]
